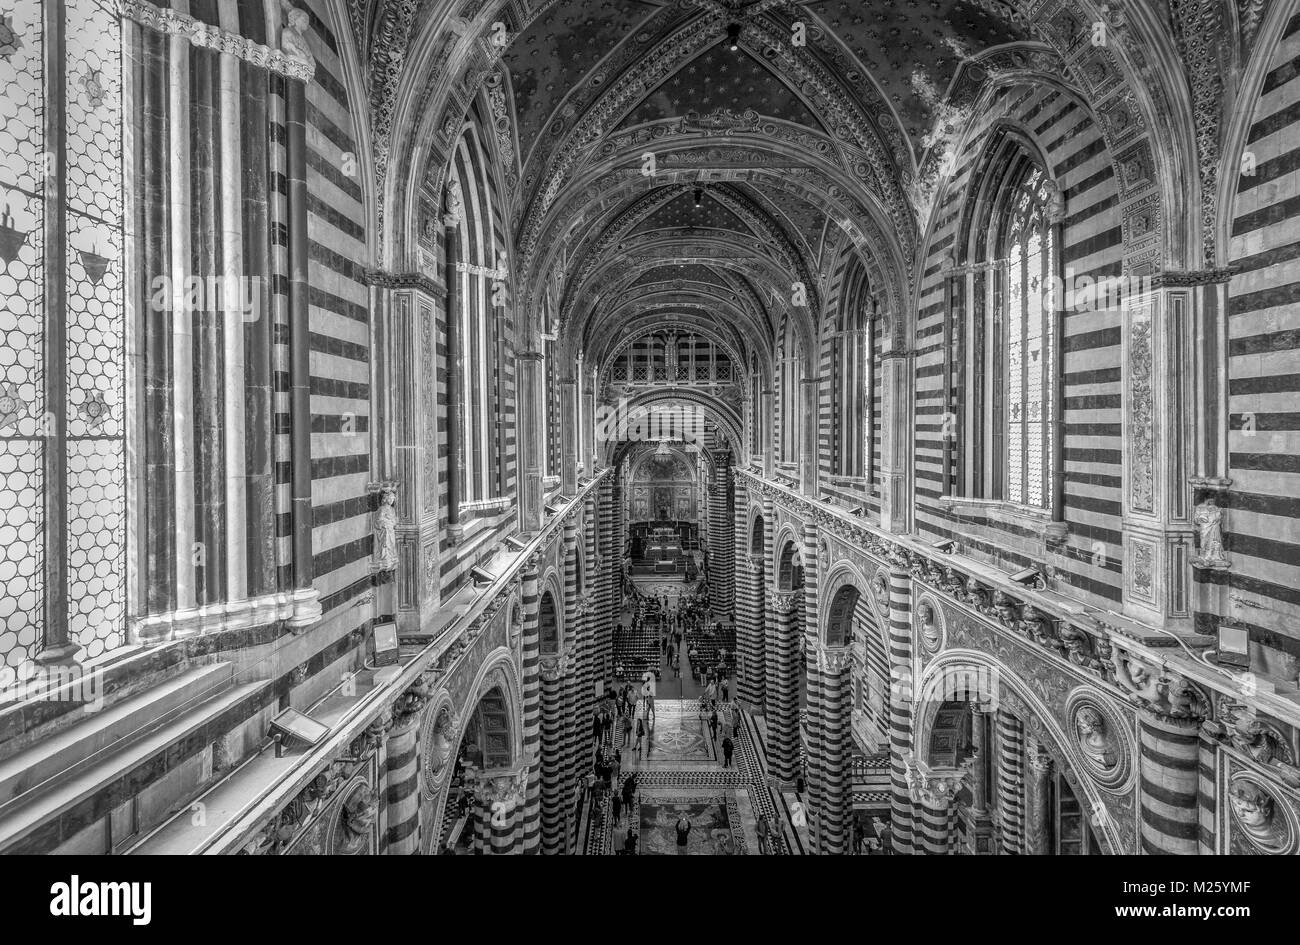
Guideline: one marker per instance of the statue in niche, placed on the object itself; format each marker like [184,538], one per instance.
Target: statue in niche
[357,821]
[1208,519]
[1094,738]
[293,37]
[386,530]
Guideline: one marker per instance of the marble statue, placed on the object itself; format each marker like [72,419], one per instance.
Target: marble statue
[1208,519]
[386,530]
[293,37]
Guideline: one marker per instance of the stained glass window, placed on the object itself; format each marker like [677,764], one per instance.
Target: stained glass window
[1026,366]
[96,540]
[22,284]
[94,451]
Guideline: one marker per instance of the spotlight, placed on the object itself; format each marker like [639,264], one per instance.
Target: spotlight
[733,36]
[1030,577]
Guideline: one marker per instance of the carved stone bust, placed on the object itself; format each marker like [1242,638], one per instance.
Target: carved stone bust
[356,822]
[1095,739]
[1255,812]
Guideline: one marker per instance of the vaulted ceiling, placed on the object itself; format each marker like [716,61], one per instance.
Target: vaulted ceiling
[771,158]
[782,136]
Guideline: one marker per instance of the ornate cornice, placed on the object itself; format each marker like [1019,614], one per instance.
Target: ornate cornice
[296,62]
[403,280]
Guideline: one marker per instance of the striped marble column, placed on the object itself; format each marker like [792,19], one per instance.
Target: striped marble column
[617,545]
[810,611]
[482,827]
[747,655]
[782,706]
[811,735]
[611,575]
[573,646]
[307,608]
[1038,799]
[1168,757]
[721,575]
[932,791]
[502,805]
[901,705]
[572,735]
[552,760]
[402,768]
[1208,777]
[530,823]
[750,635]
[589,655]
[835,685]
[1011,782]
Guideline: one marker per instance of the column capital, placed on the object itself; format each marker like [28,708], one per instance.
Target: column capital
[834,659]
[933,787]
[554,667]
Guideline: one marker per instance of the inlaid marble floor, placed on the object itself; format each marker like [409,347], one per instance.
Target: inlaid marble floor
[681,773]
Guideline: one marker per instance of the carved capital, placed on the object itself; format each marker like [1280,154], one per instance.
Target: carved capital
[933,787]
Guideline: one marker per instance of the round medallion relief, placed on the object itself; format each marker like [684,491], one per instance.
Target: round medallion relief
[928,620]
[1266,821]
[1102,739]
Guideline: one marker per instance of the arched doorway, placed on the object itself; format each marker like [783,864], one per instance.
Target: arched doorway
[484,794]
[1013,786]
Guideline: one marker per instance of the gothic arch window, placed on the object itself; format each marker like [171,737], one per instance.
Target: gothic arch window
[1014,336]
[755,407]
[481,260]
[791,375]
[548,625]
[851,357]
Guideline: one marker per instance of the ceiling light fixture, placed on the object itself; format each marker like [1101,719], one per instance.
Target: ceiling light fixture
[733,36]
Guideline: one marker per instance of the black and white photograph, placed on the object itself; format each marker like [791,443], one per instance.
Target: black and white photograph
[651,427]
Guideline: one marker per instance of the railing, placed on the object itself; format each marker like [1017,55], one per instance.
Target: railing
[1148,665]
[367,709]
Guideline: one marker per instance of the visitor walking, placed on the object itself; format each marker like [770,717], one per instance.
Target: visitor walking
[728,746]
[640,735]
[713,725]
[616,808]
[683,834]
[762,834]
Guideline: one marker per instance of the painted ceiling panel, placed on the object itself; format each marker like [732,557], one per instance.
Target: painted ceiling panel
[720,78]
[681,213]
[901,39]
[554,54]
[686,272]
